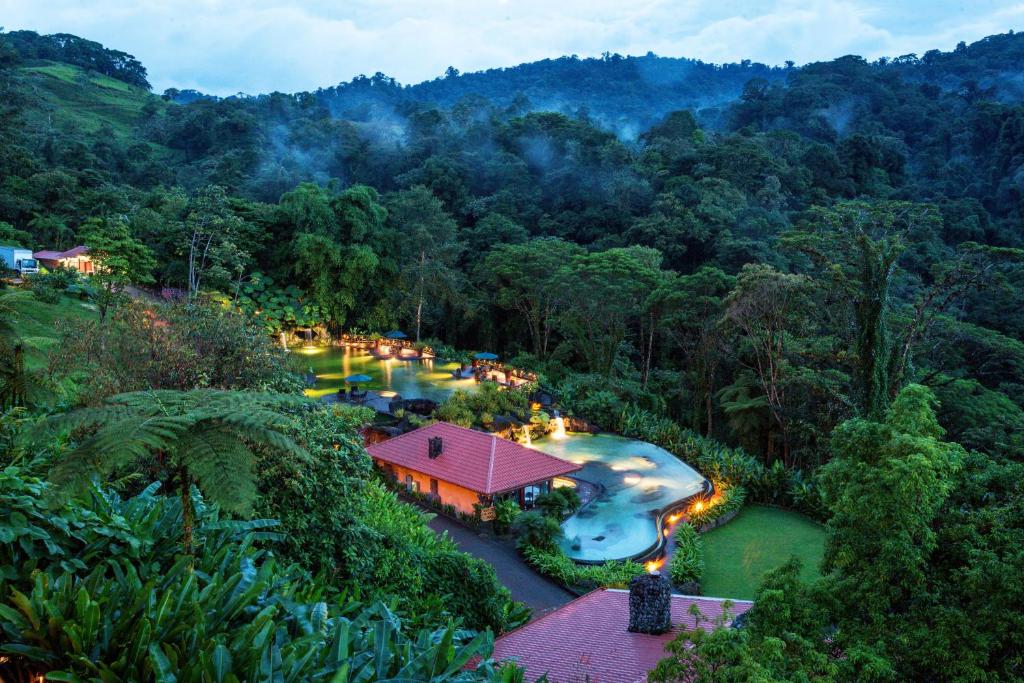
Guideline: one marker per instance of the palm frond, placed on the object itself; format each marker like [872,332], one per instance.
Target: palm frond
[222,466]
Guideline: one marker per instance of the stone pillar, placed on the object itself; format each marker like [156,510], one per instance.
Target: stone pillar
[650,604]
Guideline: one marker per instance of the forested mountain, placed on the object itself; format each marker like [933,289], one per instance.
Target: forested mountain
[757,254]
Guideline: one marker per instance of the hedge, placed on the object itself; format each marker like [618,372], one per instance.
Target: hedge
[731,500]
[731,466]
[687,563]
[560,567]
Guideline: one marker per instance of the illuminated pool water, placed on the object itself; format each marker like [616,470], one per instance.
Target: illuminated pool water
[638,480]
[430,378]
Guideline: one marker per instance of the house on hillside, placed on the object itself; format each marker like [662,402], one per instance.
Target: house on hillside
[463,467]
[611,635]
[74,259]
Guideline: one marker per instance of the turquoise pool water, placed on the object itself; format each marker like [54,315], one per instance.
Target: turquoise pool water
[430,378]
[637,478]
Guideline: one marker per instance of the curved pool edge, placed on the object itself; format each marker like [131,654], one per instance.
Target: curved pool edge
[654,551]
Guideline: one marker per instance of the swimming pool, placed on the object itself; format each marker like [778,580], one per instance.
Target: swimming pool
[637,480]
[430,378]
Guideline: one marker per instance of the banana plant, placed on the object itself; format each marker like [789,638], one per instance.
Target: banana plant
[97,591]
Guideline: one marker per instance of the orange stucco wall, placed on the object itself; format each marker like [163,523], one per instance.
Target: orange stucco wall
[450,494]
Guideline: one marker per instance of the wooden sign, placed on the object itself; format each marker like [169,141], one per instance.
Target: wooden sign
[488,514]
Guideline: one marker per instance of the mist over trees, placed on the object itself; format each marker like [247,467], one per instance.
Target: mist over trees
[819,264]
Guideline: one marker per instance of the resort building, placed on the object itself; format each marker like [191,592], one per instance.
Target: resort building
[463,467]
[611,635]
[75,259]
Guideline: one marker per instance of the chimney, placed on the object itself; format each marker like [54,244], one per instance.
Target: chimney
[650,604]
[434,447]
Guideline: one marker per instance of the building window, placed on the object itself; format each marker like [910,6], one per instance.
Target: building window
[411,484]
[433,487]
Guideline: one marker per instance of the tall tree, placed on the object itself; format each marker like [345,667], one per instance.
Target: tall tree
[342,249]
[119,258]
[605,293]
[428,252]
[885,484]
[769,310]
[856,246]
[695,304]
[523,278]
[218,242]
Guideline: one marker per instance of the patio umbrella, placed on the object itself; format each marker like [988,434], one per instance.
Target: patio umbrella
[356,380]
[396,334]
[486,355]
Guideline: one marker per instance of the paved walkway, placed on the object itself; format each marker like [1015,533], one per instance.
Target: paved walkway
[526,585]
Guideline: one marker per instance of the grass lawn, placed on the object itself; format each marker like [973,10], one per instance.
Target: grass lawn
[76,102]
[39,320]
[757,540]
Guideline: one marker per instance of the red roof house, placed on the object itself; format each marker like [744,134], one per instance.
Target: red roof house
[76,258]
[463,467]
[589,639]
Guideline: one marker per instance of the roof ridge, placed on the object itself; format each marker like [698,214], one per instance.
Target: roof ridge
[490,464]
[690,597]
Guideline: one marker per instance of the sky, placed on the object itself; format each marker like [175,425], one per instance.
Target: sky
[227,46]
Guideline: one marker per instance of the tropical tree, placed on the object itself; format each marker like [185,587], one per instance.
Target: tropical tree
[884,487]
[341,248]
[605,294]
[769,309]
[522,278]
[428,251]
[120,260]
[857,246]
[200,437]
[219,242]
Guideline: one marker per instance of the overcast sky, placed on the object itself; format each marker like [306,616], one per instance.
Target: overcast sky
[228,46]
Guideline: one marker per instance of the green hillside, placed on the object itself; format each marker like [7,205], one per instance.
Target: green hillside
[71,99]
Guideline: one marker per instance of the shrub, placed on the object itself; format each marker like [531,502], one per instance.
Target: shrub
[714,460]
[554,563]
[559,502]
[456,577]
[729,500]
[687,563]
[98,590]
[537,530]
[469,409]
[505,513]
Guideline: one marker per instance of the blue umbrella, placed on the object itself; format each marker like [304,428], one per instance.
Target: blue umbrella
[486,355]
[358,379]
[395,334]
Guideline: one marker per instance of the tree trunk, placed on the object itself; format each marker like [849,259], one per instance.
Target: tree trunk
[419,300]
[187,513]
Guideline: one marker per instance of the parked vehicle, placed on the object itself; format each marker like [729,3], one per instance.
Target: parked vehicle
[19,260]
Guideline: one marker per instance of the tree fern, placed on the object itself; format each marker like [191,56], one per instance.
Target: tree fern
[199,437]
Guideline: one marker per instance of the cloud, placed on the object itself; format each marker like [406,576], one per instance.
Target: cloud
[226,46]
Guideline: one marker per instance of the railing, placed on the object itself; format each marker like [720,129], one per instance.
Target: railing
[363,339]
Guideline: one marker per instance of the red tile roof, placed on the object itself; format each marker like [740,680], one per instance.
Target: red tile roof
[56,255]
[75,251]
[587,640]
[481,462]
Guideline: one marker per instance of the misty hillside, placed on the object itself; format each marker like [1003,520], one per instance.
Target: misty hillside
[629,94]
[803,282]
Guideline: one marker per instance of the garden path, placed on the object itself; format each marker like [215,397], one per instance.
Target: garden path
[526,585]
